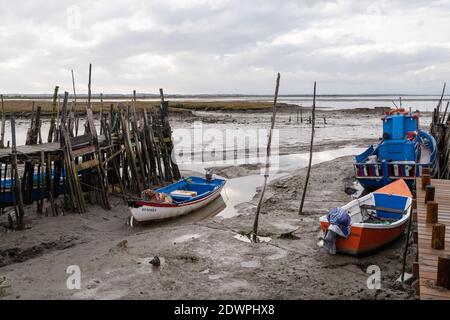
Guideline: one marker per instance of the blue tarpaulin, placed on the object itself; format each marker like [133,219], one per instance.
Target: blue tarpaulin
[340,218]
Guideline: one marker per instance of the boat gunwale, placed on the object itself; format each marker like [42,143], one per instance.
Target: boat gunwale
[208,194]
[365,225]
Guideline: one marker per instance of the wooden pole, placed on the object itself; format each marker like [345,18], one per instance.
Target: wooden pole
[438,236]
[41,183]
[58,120]
[17,190]
[429,193]
[313,120]
[53,120]
[101,111]
[301,114]
[426,180]
[74,105]
[89,87]
[432,212]
[443,271]
[64,108]
[138,143]
[2,130]
[440,103]
[266,172]
[445,112]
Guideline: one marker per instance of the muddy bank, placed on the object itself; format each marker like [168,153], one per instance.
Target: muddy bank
[201,258]
[23,108]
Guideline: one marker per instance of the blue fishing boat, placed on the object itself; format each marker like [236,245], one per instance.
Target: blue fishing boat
[404,151]
[37,193]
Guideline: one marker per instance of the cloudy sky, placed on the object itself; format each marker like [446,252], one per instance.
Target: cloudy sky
[225,46]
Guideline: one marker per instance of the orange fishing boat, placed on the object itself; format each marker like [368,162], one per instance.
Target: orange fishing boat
[374,220]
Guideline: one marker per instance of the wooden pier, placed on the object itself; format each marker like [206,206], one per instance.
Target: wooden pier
[72,167]
[427,256]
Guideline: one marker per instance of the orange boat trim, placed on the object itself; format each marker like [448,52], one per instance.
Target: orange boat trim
[398,187]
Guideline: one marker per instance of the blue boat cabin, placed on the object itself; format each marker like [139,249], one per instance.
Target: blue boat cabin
[403,152]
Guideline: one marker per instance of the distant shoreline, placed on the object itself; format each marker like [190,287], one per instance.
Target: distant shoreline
[23,108]
[148,96]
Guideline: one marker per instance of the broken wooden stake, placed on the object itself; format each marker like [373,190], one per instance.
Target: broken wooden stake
[432,212]
[429,193]
[438,236]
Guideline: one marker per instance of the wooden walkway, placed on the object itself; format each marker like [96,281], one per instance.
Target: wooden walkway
[37,148]
[427,256]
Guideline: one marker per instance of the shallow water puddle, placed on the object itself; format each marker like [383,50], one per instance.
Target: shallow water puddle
[243,238]
[186,237]
[251,264]
[242,189]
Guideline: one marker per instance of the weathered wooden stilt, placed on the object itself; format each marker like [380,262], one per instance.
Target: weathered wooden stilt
[16,185]
[2,128]
[53,115]
[49,185]
[74,105]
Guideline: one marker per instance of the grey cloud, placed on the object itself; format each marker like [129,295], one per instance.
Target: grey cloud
[226,46]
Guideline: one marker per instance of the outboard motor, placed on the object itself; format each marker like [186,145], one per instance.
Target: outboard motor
[208,175]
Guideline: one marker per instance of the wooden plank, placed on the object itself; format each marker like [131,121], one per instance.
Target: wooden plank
[429,287]
[87,164]
[83,151]
[80,141]
[52,147]
[427,256]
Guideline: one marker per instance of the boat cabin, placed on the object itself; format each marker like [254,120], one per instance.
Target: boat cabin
[403,152]
[400,138]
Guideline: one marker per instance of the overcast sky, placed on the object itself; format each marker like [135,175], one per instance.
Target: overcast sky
[209,46]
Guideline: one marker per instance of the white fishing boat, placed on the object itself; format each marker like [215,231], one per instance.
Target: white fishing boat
[176,199]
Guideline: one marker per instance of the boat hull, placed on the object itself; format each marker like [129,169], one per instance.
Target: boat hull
[364,240]
[145,211]
[372,184]
[7,199]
